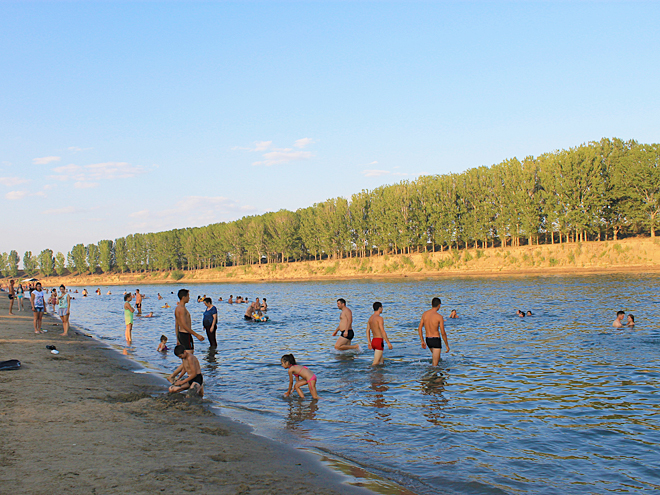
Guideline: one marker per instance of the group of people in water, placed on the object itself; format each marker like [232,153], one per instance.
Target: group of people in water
[188,375]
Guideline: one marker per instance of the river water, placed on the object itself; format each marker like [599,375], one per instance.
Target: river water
[559,402]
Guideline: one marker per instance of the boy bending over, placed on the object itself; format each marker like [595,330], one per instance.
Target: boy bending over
[190,366]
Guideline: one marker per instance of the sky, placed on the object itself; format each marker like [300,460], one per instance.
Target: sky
[125,117]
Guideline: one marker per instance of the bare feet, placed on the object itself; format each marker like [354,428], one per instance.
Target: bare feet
[63,335]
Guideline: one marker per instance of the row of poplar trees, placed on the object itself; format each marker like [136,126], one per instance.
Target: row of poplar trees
[596,191]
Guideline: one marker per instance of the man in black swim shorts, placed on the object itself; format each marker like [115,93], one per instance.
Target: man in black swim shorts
[434,324]
[345,328]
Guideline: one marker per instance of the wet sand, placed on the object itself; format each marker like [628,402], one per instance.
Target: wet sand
[84,422]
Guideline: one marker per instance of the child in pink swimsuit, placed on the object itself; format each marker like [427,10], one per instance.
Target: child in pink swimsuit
[303,376]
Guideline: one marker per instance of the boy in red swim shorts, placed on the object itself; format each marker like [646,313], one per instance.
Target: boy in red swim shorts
[376,324]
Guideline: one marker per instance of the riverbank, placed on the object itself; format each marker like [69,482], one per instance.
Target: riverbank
[84,422]
[628,255]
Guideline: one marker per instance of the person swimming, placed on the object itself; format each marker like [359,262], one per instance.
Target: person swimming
[166,306]
[453,314]
[162,347]
[631,320]
[618,322]
[303,376]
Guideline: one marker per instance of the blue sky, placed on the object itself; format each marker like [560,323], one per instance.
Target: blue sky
[122,117]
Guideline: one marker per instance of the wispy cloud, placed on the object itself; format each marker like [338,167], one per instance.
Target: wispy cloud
[45,160]
[12,181]
[14,195]
[276,156]
[76,149]
[375,173]
[89,175]
[61,211]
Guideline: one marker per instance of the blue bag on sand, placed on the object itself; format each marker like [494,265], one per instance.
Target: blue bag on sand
[12,364]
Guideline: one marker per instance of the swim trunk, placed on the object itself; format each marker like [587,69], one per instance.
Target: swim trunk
[433,343]
[138,305]
[248,318]
[349,334]
[10,297]
[61,311]
[198,379]
[377,344]
[186,340]
[38,309]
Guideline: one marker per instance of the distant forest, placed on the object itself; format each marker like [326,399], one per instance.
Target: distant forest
[596,191]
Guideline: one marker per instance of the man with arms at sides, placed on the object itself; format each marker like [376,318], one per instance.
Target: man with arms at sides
[431,321]
[345,328]
[376,324]
[182,322]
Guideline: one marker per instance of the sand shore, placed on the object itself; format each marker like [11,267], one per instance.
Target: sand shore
[84,422]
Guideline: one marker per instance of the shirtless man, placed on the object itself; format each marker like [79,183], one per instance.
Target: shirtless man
[252,308]
[189,365]
[376,325]
[345,328]
[431,320]
[12,296]
[620,315]
[182,323]
[138,301]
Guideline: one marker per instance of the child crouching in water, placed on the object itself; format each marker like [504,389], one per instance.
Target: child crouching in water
[162,347]
[302,374]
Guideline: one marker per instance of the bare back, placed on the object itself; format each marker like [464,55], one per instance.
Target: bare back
[377,326]
[431,321]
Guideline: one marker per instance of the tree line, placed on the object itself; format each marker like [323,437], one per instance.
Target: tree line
[595,191]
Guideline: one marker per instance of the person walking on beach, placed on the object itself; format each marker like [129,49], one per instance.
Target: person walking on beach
[620,315]
[20,293]
[128,317]
[431,321]
[11,296]
[38,303]
[345,328]
[64,309]
[138,301]
[189,365]
[183,324]
[376,325]
[210,321]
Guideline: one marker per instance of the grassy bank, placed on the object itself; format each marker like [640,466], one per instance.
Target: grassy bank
[586,257]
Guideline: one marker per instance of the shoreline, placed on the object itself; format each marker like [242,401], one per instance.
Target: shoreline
[85,421]
[589,258]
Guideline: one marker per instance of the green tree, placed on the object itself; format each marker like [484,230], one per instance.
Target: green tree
[79,258]
[60,264]
[12,261]
[640,176]
[29,263]
[93,257]
[106,255]
[4,264]
[121,260]
[46,262]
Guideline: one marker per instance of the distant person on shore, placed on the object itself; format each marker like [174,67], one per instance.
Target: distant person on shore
[159,296]
[345,328]
[231,299]
[84,292]
[303,376]
[189,365]
[631,320]
[128,317]
[432,321]
[618,322]
[20,294]
[162,347]
[64,309]
[138,301]
[210,321]
[453,314]
[376,326]
[11,296]
[183,324]
[38,302]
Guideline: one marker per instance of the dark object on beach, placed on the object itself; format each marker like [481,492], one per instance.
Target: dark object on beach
[51,347]
[12,364]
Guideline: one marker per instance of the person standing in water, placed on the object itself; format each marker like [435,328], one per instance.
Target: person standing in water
[128,317]
[138,301]
[432,321]
[345,328]
[376,325]
[618,322]
[210,322]
[182,323]
[64,309]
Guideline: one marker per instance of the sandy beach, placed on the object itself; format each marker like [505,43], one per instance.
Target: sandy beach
[84,422]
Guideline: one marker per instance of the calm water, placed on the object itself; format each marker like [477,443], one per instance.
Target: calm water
[557,403]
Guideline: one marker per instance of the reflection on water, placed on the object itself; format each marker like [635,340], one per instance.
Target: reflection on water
[557,403]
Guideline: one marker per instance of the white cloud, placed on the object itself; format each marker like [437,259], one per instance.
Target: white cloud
[138,214]
[61,211]
[85,185]
[301,143]
[76,149]
[374,173]
[48,187]
[87,175]
[12,181]
[44,160]
[13,195]
[284,156]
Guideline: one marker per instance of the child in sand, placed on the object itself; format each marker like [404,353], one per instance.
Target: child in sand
[162,347]
[128,316]
[189,365]
[303,376]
